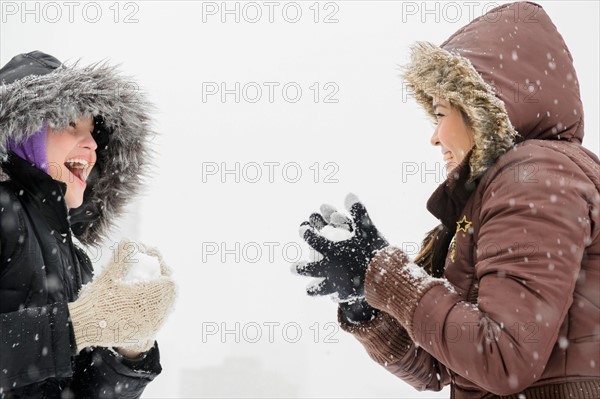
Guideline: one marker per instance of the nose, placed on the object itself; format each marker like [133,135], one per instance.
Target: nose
[434,138]
[88,142]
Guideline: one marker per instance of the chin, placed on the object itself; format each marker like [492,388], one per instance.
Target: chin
[73,205]
[73,202]
[450,167]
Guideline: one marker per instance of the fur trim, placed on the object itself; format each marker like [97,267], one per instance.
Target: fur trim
[69,92]
[435,71]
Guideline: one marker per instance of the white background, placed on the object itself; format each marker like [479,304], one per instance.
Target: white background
[371,141]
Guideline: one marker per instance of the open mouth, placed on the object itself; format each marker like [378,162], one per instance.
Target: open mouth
[79,168]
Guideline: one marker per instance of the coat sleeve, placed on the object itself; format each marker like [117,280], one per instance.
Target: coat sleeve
[532,237]
[103,373]
[35,344]
[388,343]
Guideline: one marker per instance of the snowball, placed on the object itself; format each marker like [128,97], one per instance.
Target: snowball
[339,219]
[142,267]
[327,210]
[335,233]
[331,233]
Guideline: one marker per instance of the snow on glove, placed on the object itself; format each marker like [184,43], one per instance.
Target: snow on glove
[113,312]
[327,229]
[344,262]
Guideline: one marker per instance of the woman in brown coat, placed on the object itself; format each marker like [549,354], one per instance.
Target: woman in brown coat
[504,298]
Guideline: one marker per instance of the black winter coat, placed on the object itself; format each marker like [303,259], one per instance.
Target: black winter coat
[41,268]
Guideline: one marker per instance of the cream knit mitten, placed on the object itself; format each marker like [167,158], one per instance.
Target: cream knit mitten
[112,313]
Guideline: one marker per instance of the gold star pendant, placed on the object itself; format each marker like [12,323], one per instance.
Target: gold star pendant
[463,224]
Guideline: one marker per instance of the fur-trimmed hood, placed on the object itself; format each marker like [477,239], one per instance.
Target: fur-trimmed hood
[512,74]
[35,88]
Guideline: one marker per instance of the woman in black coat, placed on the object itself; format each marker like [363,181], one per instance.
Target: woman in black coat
[74,147]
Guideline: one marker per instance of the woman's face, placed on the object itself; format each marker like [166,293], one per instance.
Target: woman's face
[451,133]
[71,156]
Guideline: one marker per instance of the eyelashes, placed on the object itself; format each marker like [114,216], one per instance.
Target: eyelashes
[437,117]
[74,126]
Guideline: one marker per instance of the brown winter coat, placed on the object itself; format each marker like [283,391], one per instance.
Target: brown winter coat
[517,310]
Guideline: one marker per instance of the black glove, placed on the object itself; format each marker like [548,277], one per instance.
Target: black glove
[344,262]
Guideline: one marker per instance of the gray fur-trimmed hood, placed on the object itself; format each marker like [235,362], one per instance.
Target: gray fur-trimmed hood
[35,88]
[512,74]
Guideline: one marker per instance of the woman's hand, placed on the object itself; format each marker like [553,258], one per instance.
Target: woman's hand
[108,305]
[344,262]
[136,350]
[129,353]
